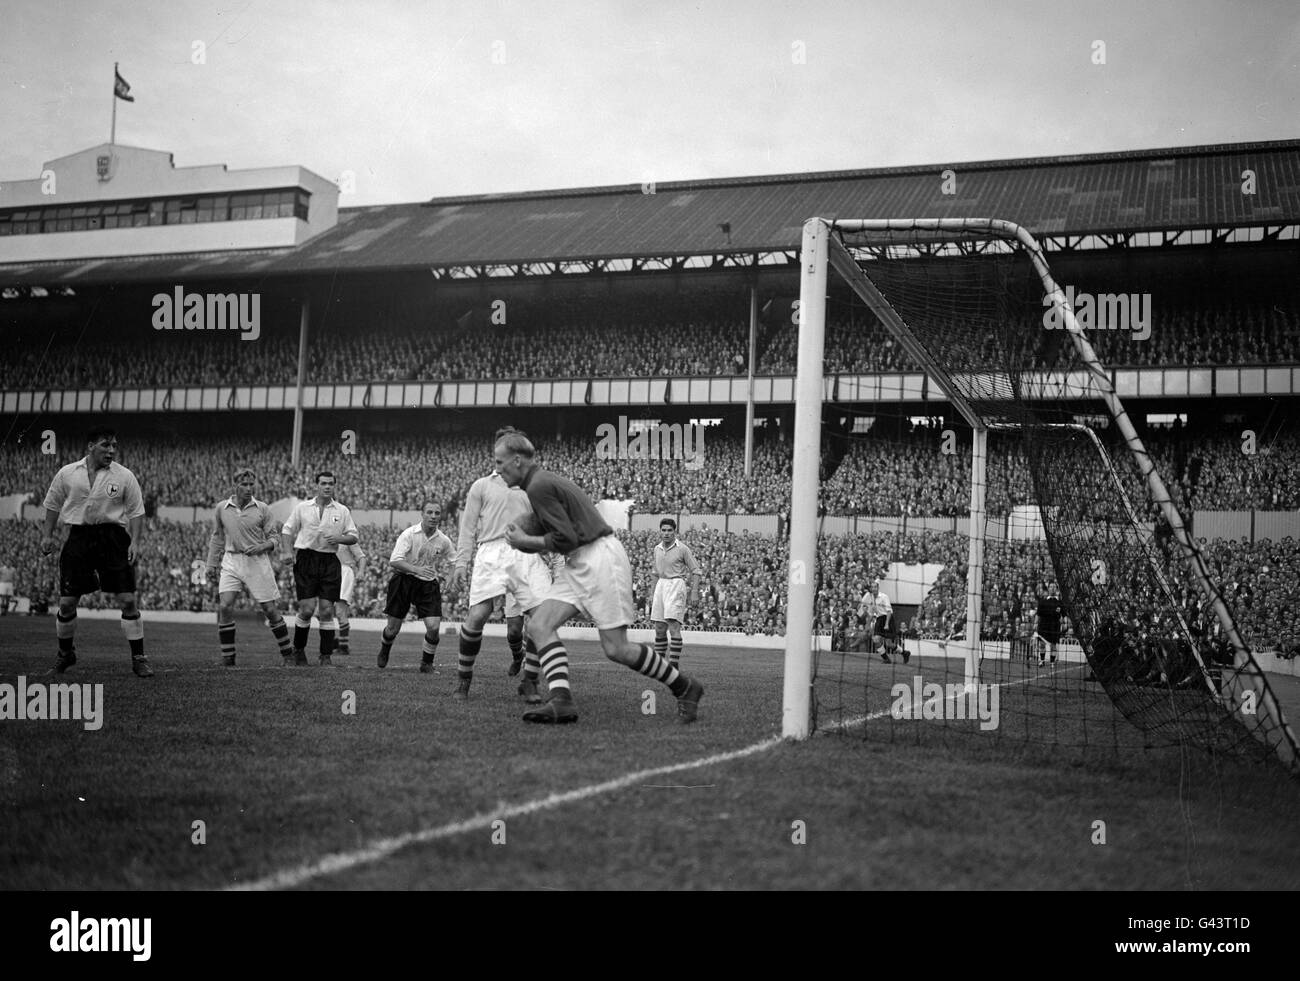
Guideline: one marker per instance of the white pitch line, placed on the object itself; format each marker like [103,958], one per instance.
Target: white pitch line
[343,861]
[851,723]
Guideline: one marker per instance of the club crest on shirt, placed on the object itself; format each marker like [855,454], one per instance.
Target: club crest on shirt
[112,490]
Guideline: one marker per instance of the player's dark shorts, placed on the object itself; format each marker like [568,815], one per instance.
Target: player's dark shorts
[405,591]
[94,557]
[317,575]
[884,626]
[1050,632]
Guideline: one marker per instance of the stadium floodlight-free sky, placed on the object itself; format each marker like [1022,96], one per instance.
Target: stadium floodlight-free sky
[412,101]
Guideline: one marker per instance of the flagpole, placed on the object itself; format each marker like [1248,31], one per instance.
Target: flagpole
[112,136]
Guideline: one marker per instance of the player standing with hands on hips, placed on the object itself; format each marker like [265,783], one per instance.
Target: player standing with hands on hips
[100,502]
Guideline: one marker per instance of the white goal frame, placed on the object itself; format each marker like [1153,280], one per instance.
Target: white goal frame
[821,251]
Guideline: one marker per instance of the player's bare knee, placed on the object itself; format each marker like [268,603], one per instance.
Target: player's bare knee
[127,602]
[477,616]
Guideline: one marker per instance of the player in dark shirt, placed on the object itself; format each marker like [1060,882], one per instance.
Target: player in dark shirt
[1047,623]
[596,580]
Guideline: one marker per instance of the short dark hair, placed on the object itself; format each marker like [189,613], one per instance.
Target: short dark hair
[431,501]
[669,522]
[245,470]
[325,473]
[506,431]
[97,433]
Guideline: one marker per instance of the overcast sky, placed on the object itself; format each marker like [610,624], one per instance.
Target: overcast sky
[422,99]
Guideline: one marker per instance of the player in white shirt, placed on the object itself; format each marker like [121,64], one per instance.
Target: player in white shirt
[419,562]
[490,508]
[878,614]
[99,501]
[673,563]
[353,561]
[311,539]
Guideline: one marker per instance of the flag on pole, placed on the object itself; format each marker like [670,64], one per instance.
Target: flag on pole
[120,88]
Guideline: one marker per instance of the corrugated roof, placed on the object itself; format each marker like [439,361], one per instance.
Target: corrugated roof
[1152,190]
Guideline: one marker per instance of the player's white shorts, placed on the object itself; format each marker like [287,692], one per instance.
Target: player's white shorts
[597,579]
[669,602]
[6,589]
[522,578]
[349,582]
[252,571]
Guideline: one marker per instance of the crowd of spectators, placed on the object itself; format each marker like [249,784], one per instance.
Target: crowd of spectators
[908,473]
[704,333]
[744,583]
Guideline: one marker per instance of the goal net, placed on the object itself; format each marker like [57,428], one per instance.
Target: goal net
[1037,580]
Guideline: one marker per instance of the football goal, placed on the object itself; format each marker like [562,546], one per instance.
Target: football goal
[1065,600]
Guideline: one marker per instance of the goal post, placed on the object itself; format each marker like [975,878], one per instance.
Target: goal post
[1001,373]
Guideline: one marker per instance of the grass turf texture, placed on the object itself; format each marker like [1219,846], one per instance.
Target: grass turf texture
[266,757]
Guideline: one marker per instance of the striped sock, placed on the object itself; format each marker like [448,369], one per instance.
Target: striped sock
[65,628]
[345,638]
[133,631]
[430,647]
[386,641]
[470,642]
[226,634]
[653,666]
[280,631]
[516,642]
[532,664]
[674,651]
[301,628]
[555,663]
[328,637]
[661,644]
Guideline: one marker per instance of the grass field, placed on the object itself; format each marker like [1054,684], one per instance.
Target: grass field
[405,793]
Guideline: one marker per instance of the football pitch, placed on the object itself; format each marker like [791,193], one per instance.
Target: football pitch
[350,777]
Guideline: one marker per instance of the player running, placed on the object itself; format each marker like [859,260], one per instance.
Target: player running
[596,580]
[876,610]
[499,570]
[674,561]
[243,537]
[419,562]
[99,501]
